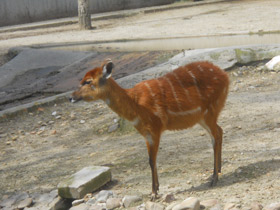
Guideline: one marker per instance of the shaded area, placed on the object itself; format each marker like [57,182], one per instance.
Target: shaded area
[50,80]
[241,174]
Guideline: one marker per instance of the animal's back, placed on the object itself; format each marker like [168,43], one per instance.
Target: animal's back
[181,97]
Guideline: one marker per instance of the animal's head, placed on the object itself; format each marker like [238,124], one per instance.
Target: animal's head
[93,85]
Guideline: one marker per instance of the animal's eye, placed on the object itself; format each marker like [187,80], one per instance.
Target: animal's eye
[86,82]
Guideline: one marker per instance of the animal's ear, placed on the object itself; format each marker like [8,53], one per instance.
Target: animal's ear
[107,69]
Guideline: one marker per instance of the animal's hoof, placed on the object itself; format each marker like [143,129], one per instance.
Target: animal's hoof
[154,197]
[214,181]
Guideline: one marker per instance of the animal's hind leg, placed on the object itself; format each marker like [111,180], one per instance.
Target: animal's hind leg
[210,124]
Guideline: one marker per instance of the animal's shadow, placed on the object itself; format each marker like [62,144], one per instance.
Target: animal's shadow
[241,174]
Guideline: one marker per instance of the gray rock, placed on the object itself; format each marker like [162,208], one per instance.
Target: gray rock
[46,198]
[59,204]
[225,58]
[131,200]
[13,199]
[216,207]
[103,195]
[190,203]
[113,128]
[29,59]
[113,203]
[207,204]
[97,207]
[84,181]
[25,203]
[169,198]
[273,206]
[91,201]
[39,207]
[82,206]
[154,206]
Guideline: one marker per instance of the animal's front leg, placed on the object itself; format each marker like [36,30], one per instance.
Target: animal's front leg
[152,145]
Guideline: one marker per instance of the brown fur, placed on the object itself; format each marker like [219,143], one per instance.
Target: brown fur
[191,94]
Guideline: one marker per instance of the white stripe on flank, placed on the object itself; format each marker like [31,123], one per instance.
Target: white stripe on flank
[195,83]
[149,88]
[193,111]
[200,69]
[174,93]
[205,112]
[158,108]
[160,87]
[181,84]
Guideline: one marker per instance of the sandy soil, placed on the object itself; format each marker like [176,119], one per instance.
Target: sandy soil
[39,148]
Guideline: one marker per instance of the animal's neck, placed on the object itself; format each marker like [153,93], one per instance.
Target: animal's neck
[120,102]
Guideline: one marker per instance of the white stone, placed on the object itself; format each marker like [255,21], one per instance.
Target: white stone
[77,202]
[190,203]
[113,203]
[154,206]
[273,62]
[209,203]
[171,206]
[131,200]
[98,207]
[83,206]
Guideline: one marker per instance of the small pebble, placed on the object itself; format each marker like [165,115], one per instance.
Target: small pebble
[53,132]
[14,138]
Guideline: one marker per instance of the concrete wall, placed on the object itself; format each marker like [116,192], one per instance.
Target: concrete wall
[26,11]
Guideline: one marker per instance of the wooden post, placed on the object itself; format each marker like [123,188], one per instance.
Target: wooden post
[84,15]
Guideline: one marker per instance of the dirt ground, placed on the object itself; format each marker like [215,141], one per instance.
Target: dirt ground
[40,148]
